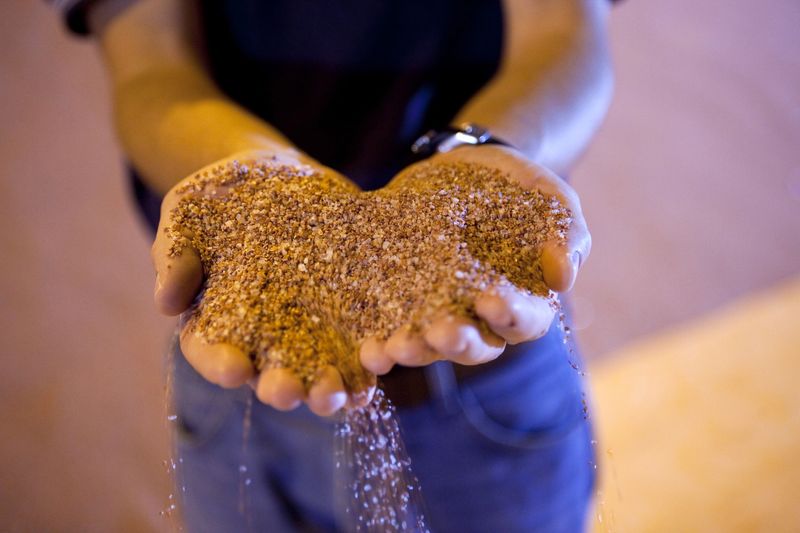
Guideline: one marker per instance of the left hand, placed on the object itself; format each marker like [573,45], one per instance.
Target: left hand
[512,316]
[560,262]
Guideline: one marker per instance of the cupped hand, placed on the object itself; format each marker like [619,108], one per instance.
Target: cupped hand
[506,315]
[179,279]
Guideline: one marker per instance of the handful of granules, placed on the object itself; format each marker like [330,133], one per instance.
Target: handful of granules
[301,266]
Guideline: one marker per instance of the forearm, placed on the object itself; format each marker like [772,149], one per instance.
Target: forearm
[171,122]
[169,116]
[554,84]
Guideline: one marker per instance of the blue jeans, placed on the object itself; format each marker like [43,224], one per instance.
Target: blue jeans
[506,451]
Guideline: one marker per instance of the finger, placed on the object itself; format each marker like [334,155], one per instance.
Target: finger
[361,389]
[559,269]
[280,388]
[178,278]
[515,316]
[409,349]
[373,357]
[362,397]
[221,363]
[561,260]
[461,340]
[327,394]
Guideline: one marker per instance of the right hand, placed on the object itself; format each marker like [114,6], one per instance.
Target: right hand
[178,281]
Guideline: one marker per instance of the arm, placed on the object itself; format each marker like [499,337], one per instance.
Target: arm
[169,116]
[552,91]
[549,97]
[172,121]
[555,82]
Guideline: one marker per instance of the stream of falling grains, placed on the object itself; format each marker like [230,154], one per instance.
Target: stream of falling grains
[604,518]
[377,489]
[173,463]
[301,266]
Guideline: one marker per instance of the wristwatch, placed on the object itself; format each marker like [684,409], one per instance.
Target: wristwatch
[440,141]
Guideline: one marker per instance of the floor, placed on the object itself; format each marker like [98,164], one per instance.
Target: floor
[699,426]
[692,191]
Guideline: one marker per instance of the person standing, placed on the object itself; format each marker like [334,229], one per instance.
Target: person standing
[499,441]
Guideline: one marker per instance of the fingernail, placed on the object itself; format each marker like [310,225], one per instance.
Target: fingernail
[576,259]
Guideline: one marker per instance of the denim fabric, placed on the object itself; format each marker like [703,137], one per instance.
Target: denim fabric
[507,451]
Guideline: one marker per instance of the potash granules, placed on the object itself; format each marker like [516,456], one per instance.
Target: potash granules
[301,266]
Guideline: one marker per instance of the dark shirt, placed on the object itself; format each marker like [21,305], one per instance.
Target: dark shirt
[353,83]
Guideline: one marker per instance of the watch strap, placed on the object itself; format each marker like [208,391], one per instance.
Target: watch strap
[440,141]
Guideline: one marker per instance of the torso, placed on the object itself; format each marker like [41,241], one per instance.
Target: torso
[353,83]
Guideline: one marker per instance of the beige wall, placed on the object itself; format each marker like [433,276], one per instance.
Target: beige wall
[692,188]
[80,385]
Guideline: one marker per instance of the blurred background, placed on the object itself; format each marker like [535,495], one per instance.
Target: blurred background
[687,310]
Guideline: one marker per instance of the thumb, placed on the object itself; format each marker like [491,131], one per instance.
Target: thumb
[178,277]
[561,260]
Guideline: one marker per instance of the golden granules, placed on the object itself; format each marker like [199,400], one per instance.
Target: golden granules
[301,266]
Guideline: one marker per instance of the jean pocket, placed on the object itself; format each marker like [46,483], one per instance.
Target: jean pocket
[527,405]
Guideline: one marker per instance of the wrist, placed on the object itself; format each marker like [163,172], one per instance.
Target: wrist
[485,154]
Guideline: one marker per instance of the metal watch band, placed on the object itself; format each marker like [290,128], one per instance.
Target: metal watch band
[466,134]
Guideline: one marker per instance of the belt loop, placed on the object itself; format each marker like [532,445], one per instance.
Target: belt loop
[442,384]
